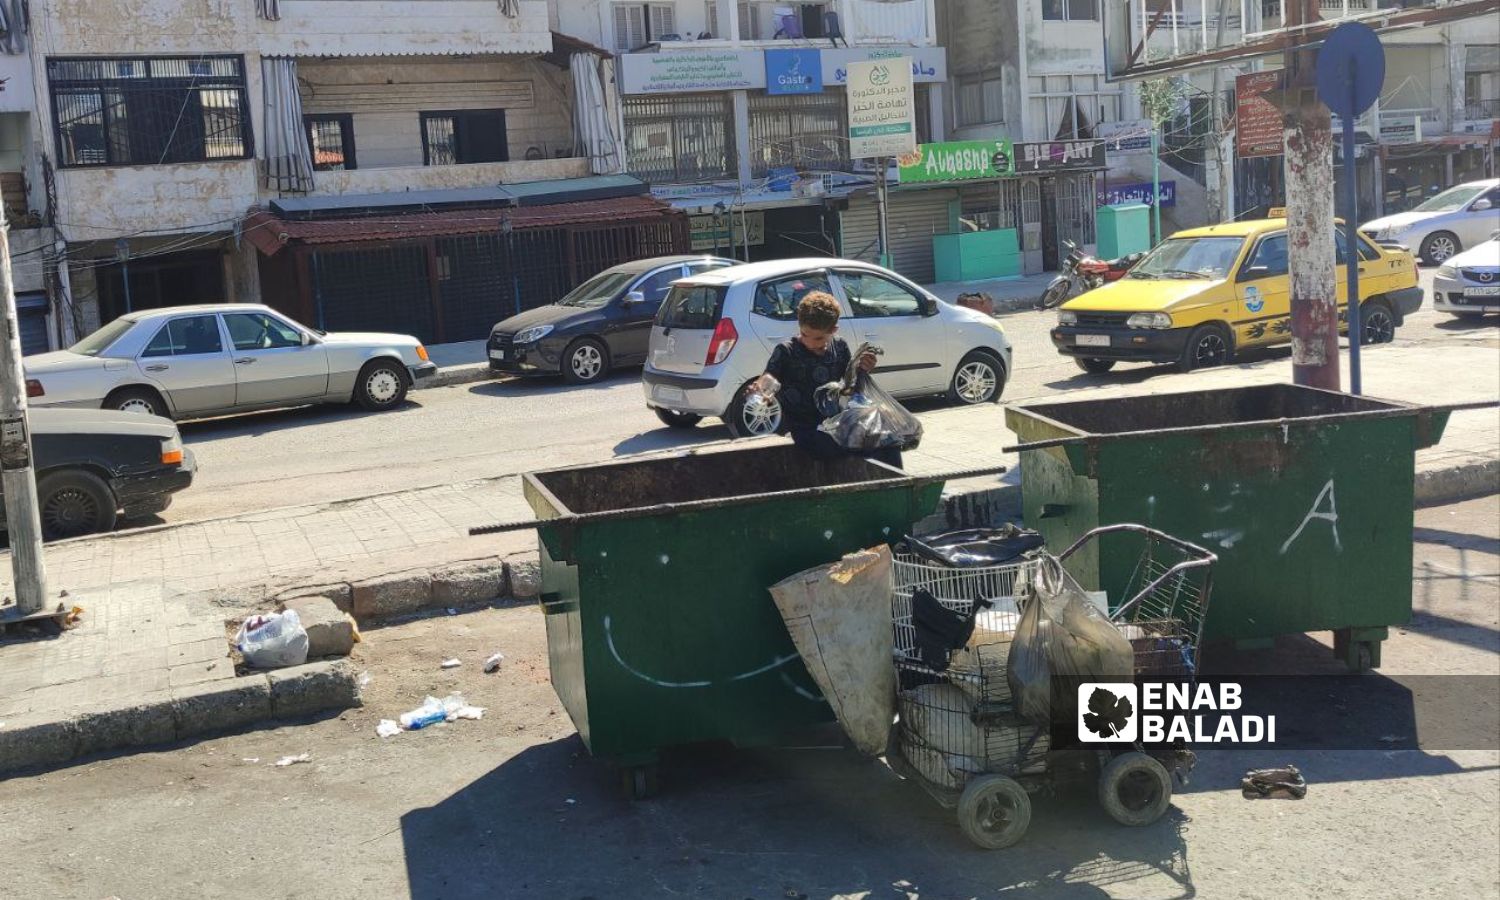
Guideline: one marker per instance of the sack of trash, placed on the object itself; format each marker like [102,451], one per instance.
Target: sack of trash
[1061,641]
[861,416]
[976,547]
[272,640]
[839,617]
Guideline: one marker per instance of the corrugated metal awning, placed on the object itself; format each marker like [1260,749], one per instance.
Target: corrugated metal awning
[269,233]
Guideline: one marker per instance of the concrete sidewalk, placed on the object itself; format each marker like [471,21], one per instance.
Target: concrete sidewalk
[464,362]
[155,600]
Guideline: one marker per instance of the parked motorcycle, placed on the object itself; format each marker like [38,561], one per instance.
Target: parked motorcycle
[1085,272]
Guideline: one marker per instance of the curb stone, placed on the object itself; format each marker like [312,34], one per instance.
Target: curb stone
[1437,487]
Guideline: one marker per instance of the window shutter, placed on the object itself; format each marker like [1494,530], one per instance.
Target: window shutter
[747,22]
[630,26]
[713,17]
[662,21]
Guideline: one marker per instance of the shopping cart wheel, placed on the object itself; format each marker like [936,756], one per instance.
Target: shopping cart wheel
[639,782]
[1135,789]
[994,811]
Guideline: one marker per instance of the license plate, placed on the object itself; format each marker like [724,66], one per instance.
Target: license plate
[497,354]
[667,392]
[1093,340]
[1492,290]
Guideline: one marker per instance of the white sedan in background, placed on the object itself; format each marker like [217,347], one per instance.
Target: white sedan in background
[1469,283]
[194,361]
[1443,226]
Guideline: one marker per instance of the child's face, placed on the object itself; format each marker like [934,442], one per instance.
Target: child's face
[816,339]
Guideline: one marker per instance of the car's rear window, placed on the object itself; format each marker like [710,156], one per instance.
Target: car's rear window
[691,306]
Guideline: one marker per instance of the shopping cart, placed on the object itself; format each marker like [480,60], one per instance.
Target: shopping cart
[958,734]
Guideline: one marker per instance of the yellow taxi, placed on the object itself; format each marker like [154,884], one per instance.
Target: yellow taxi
[1205,293]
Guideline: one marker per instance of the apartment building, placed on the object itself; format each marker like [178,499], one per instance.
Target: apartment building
[426,167]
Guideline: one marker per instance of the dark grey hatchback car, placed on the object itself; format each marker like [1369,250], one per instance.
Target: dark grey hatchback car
[603,324]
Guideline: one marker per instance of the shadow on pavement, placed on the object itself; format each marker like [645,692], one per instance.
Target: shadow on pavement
[550,822]
[258,423]
[1132,373]
[1469,323]
[551,385]
[664,438]
[1457,540]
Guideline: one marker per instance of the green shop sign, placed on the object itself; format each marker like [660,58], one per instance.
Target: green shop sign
[958,161]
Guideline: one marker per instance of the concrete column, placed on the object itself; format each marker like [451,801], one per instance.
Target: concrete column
[1457,59]
[741,103]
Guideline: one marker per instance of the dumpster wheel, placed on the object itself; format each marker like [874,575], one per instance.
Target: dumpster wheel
[640,782]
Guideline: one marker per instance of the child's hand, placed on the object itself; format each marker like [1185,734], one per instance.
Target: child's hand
[867,361]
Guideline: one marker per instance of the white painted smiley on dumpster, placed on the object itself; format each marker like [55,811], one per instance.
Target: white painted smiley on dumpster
[609,640]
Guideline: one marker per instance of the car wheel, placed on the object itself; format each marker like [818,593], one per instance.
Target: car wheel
[979,378]
[674,419]
[1376,323]
[382,385]
[585,362]
[137,400]
[74,503]
[1440,246]
[1207,346]
[1095,366]
[753,415]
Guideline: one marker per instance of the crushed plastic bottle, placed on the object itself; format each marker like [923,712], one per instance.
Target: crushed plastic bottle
[430,712]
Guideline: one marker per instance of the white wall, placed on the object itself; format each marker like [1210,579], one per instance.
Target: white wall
[16,94]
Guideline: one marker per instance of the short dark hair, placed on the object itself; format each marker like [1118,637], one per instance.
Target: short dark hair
[818,310]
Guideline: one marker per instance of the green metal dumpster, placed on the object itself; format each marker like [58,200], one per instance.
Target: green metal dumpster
[1305,495]
[661,629]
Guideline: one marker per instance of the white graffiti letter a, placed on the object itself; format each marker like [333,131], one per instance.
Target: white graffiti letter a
[1331,516]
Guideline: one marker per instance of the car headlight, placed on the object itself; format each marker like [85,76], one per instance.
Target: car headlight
[1149,320]
[1447,272]
[534,333]
[171,451]
[1066,317]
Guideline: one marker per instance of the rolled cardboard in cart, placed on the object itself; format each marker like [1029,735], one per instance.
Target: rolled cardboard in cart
[839,617]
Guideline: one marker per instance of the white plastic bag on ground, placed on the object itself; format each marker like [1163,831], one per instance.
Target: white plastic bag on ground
[272,640]
[839,617]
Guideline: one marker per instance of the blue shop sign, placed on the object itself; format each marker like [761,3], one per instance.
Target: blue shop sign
[797,71]
[1136,193]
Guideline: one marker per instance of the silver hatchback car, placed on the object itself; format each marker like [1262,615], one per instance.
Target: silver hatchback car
[193,361]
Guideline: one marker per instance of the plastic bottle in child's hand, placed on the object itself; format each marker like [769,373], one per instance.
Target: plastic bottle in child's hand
[767,385]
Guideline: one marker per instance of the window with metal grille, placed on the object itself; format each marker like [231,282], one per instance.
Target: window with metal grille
[809,131]
[464,136]
[330,137]
[638,24]
[1070,10]
[679,138]
[980,99]
[112,111]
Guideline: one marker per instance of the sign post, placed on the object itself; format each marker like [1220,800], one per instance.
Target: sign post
[1351,69]
[881,123]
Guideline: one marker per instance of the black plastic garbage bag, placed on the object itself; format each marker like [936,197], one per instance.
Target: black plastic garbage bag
[940,630]
[976,547]
[861,416]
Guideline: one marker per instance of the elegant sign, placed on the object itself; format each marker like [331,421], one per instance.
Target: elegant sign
[927,63]
[698,70]
[1257,121]
[1400,129]
[1049,155]
[881,108]
[706,234]
[1125,137]
[1136,193]
[958,161]
[793,72]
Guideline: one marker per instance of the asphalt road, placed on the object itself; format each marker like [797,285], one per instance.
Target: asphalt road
[506,427]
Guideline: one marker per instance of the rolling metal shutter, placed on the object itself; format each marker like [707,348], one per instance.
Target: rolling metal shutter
[31,314]
[913,218]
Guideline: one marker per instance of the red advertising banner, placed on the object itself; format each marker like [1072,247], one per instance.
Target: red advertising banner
[1258,125]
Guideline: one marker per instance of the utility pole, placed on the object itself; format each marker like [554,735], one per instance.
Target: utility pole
[22,518]
[1309,213]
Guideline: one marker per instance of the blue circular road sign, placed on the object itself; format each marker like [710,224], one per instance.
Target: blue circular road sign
[1351,69]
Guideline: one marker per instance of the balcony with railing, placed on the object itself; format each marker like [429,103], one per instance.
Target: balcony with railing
[699,24]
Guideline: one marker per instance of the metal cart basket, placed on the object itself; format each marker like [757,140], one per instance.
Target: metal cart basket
[958,734]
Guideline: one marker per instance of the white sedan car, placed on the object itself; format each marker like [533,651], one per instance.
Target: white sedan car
[1445,225]
[1469,283]
[194,361]
[714,334]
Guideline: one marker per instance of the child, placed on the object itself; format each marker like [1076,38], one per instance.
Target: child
[807,362]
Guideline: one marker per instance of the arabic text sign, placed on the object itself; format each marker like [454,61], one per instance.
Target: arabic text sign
[1047,155]
[958,161]
[881,108]
[793,72]
[1136,193]
[1258,126]
[1125,137]
[928,64]
[706,234]
[700,70]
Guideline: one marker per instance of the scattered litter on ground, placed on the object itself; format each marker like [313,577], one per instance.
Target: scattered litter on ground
[452,611]
[293,760]
[434,711]
[1392,738]
[387,728]
[451,664]
[1283,783]
[272,640]
[72,617]
[250,759]
[364,679]
[493,663]
[570,801]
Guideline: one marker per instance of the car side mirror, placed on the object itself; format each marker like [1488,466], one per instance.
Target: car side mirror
[1482,203]
[1254,272]
[929,306]
[307,339]
[634,298]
